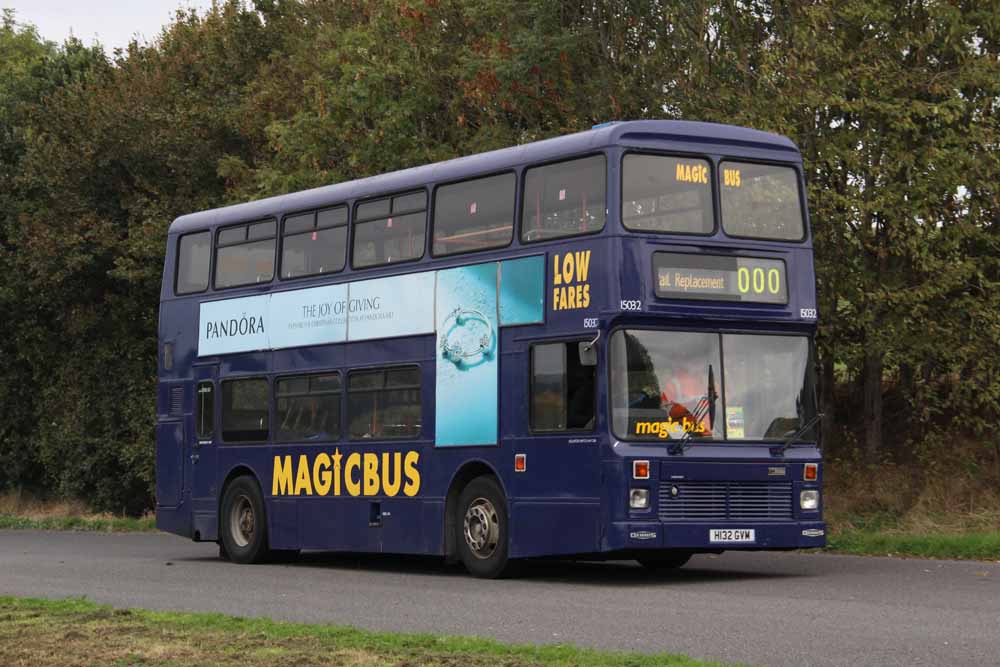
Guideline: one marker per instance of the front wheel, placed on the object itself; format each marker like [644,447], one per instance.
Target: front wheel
[483,529]
[243,524]
[664,560]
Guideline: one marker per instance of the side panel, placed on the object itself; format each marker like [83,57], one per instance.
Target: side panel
[169,463]
[556,502]
[554,528]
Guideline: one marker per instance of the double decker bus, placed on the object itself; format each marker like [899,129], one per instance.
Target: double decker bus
[598,345]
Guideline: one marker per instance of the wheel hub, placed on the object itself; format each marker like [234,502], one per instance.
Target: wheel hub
[242,521]
[482,528]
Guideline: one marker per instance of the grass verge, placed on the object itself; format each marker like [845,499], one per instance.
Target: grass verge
[48,633]
[25,512]
[970,546]
[93,524]
[949,509]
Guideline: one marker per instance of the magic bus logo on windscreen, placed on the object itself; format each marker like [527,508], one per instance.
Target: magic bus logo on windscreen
[671,427]
[357,474]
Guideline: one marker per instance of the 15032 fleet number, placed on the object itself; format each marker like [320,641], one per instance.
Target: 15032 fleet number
[631,305]
[807,313]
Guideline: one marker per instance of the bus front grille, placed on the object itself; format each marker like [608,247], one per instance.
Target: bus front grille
[725,501]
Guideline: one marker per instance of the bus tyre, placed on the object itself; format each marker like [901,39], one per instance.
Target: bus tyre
[243,524]
[664,560]
[482,527]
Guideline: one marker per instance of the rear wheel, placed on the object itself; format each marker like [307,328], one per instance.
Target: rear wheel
[244,524]
[664,560]
[483,529]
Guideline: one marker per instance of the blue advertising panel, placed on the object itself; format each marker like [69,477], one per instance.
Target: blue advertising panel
[308,317]
[233,325]
[467,354]
[394,306]
[463,305]
[382,308]
[522,291]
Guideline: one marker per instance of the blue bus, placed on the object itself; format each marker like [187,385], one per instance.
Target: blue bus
[598,345]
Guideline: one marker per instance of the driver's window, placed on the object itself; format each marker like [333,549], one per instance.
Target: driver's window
[562,388]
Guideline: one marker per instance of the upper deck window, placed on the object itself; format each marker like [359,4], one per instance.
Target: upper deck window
[564,199]
[245,254]
[761,201]
[194,254]
[474,215]
[389,230]
[667,194]
[314,243]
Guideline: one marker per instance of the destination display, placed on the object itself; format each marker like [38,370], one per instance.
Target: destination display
[719,278]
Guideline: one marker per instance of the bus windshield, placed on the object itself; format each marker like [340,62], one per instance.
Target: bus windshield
[672,385]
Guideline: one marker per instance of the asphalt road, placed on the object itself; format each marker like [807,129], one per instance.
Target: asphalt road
[763,608]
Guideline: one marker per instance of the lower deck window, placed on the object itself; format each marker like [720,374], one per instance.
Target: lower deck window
[384,403]
[245,410]
[308,408]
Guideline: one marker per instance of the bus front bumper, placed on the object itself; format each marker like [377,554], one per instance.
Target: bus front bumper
[717,536]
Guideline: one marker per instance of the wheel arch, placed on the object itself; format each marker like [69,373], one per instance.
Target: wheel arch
[467,472]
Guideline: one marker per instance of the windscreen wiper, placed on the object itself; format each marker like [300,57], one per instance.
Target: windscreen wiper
[780,449]
[710,397]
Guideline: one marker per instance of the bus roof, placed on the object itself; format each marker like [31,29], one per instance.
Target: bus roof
[601,136]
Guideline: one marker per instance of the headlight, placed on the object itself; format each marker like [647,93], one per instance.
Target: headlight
[638,499]
[809,499]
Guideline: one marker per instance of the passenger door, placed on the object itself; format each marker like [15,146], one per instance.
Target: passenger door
[557,500]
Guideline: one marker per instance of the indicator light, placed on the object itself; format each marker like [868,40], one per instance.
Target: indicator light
[811,472]
[520,462]
[640,469]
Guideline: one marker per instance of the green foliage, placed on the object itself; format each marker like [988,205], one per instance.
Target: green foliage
[893,104]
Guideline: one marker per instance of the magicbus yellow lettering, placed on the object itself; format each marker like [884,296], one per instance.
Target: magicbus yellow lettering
[570,286]
[412,476]
[322,478]
[303,481]
[353,463]
[390,487]
[337,456]
[362,474]
[281,480]
[371,474]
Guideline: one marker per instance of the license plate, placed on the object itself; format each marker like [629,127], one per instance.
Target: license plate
[731,535]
